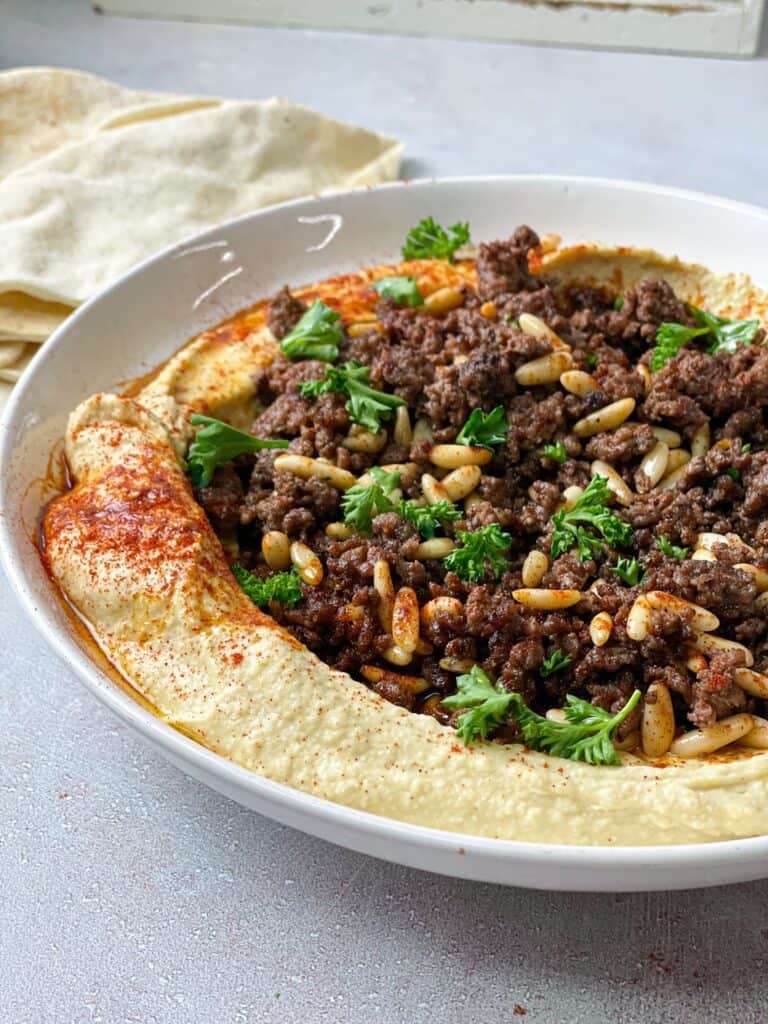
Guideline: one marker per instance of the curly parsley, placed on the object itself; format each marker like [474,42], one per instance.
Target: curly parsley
[315,336]
[555,451]
[362,501]
[629,571]
[429,241]
[282,586]
[591,511]
[484,430]
[402,290]
[555,661]
[481,547]
[428,518]
[365,405]
[725,335]
[218,443]
[671,550]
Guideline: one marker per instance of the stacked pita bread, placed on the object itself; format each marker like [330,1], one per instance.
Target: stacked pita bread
[95,178]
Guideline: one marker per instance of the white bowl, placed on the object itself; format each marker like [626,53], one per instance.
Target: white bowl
[134,325]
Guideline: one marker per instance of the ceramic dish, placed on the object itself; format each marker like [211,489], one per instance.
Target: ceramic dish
[134,325]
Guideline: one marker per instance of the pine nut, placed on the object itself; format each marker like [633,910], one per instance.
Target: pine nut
[578,382]
[710,541]
[696,662]
[457,665]
[422,431]
[630,742]
[570,496]
[461,482]
[382,583]
[555,715]
[442,301]
[440,606]
[544,370]
[472,499]
[534,568]
[761,603]
[360,440]
[615,483]
[652,468]
[451,456]
[698,742]
[671,438]
[707,644]
[433,490]
[338,531]
[536,328]
[703,555]
[608,418]
[645,373]
[546,600]
[488,310]
[657,728]
[306,468]
[397,656]
[757,737]
[753,683]
[703,619]
[402,433]
[600,629]
[308,564]
[362,327]
[405,619]
[760,575]
[639,622]
[374,674]
[670,481]
[435,547]
[276,548]
[677,458]
[700,441]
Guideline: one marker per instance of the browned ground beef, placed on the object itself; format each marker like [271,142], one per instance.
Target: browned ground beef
[445,367]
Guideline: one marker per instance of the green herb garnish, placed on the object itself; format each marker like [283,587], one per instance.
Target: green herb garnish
[362,501]
[429,241]
[585,735]
[589,510]
[629,571]
[670,338]
[746,448]
[365,405]
[555,451]
[486,545]
[726,335]
[315,336]
[484,430]
[402,290]
[734,474]
[428,518]
[282,586]
[218,443]
[671,550]
[618,303]
[555,661]
[591,360]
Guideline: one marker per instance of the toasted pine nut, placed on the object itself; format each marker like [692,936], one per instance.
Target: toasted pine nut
[703,619]
[402,433]
[732,540]
[760,575]
[616,485]
[374,674]
[443,300]
[639,620]
[362,327]
[677,458]
[451,456]
[670,481]
[489,311]
[352,613]
[608,418]
[461,482]
[757,737]
[657,729]
[698,742]
[306,468]
[534,567]
[671,438]
[457,665]
[544,370]
[435,547]
[600,629]
[701,440]
[276,548]
[571,495]
[306,561]
[630,742]
[360,440]
[706,643]
[433,490]
[536,328]
[703,555]
[440,605]
[555,715]
[397,656]
[753,683]
[405,619]
[645,373]
[546,600]
[696,662]
[382,582]
[761,603]
[653,467]
[338,531]
[578,382]
[423,648]
[422,431]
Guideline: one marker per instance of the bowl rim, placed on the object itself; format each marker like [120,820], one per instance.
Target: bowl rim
[182,749]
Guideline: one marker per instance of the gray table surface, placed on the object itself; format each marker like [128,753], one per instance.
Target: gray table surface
[129,893]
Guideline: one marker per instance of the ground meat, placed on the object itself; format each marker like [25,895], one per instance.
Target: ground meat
[285,311]
[222,500]
[626,444]
[502,267]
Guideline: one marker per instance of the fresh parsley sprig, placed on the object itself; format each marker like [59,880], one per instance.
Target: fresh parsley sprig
[362,501]
[591,511]
[555,661]
[487,705]
[428,518]
[484,430]
[482,547]
[282,586]
[557,452]
[218,443]
[671,550]
[629,571]
[315,336]
[725,335]
[402,290]
[670,338]
[365,405]
[429,241]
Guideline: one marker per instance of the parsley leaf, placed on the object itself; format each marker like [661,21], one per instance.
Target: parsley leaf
[365,405]
[591,510]
[315,336]
[487,705]
[746,448]
[218,443]
[629,571]
[428,240]
[362,501]
[429,517]
[670,550]
[282,586]
[484,429]
[727,334]
[734,474]
[670,338]
[618,302]
[591,360]
[486,545]
[402,290]
[555,451]
[555,661]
